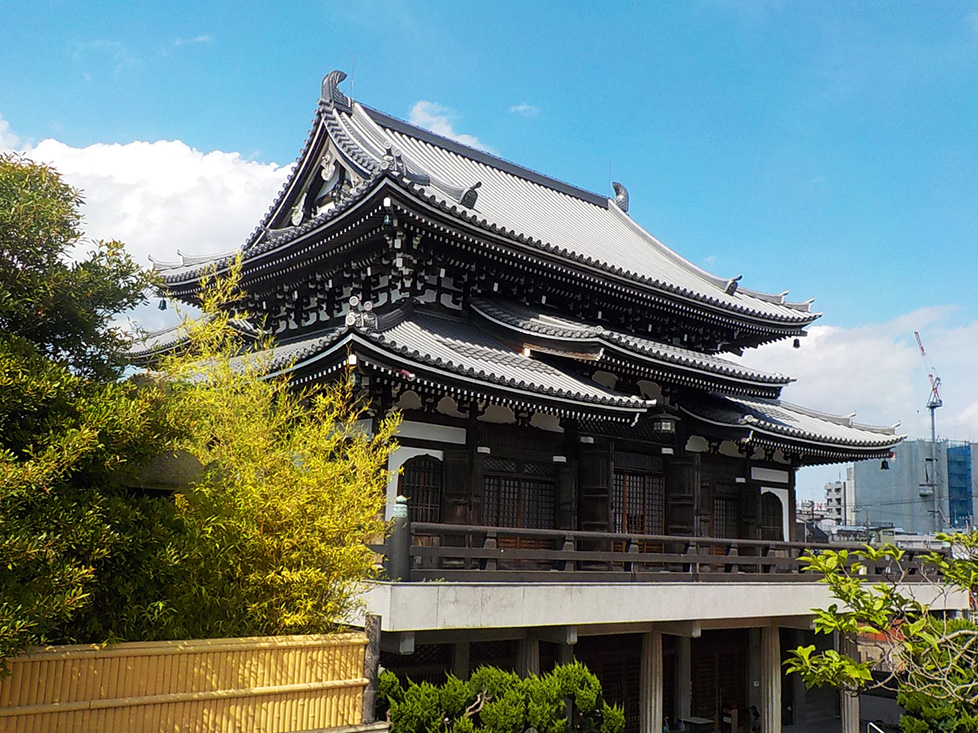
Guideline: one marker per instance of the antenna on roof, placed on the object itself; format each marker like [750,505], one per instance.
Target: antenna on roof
[353,75]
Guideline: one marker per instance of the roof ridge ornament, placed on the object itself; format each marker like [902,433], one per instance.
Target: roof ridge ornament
[394,162]
[331,95]
[732,285]
[621,195]
[471,194]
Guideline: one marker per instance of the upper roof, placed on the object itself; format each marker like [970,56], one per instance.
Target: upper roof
[581,227]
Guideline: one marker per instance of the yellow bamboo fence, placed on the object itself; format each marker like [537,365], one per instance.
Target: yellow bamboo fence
[260,684]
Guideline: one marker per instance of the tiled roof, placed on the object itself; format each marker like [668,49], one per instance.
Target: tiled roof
[449,349]
[568,222]
[773,421]
[461,349]
[548,324]
[157,342]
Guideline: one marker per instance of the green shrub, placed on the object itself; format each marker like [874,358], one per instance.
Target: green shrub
[497,701]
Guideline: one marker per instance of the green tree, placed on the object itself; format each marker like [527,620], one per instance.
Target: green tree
[931,659]
[277,527]
[270,537]
[65,428]
[497,701]
[51,295]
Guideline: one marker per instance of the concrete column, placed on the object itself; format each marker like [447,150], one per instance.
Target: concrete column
[565,645]
[460,660]
[849,704]
[771,676]
[651,683]
[528,657]
[684,677]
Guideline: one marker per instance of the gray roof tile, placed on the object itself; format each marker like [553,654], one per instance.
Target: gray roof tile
[778,419]
[551,325]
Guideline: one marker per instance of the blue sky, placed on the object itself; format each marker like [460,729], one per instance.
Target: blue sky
[829,149]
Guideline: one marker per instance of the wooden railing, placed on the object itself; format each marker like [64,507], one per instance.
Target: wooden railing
[422,551]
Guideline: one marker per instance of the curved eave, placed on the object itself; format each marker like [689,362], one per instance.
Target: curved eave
[291,247]
[381,128]
[812,448]
[438,371]
[320,357]
[482,231]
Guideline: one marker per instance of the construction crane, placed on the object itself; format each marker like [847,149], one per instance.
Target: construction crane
[934,401]
[930,486]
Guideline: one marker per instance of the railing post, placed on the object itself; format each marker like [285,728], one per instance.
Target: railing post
[733,551]
[569,548]
[632,549]
[490,544]
[693,566]
[399,543]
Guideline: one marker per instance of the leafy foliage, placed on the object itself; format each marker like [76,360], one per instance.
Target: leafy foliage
[497,701]
[66,428]
[64,307]
[63,439]
[930,659]
[276,528]
[270,538]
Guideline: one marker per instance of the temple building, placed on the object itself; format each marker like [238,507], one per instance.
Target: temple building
[579,461]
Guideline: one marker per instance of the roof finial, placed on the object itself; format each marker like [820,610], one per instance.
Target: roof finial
[621,196]
[470,195]
[331,94]
[732,285]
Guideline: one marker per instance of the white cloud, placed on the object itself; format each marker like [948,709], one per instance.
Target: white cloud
[440,120]
[162,196]
[525,110]
[8,140]
[158,197]
[878,372]
[203,38]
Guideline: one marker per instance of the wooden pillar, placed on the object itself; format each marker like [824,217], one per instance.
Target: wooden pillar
[460,660]
[771,676]
[651,683]
[528,657]
[565,653]
[684,677]
[849,704]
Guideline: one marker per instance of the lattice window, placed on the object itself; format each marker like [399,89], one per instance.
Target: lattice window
[772,512]
[429,663]
[421,482]
[526,499]
[725,516]
[500,654]
[638,503]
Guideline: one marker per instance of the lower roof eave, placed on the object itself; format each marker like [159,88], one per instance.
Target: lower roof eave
[394,366]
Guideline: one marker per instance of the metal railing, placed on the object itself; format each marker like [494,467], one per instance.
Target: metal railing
[421,551]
